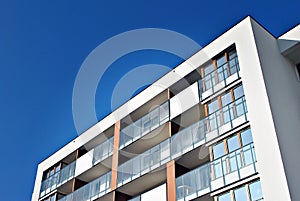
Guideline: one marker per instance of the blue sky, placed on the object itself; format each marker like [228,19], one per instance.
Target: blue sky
[43,44]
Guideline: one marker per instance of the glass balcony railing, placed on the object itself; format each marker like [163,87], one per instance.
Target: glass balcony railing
[144,163]
[179,144]
[92,190]
[59,178]
[225,119]
[144,125]
[103,151]
[219,78]
[216,174]
[100,153]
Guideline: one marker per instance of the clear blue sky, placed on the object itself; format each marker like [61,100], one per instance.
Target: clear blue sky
[43,44]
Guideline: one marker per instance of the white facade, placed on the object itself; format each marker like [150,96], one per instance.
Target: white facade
[272,92]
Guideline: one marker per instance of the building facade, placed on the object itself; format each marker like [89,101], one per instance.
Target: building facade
[223,126]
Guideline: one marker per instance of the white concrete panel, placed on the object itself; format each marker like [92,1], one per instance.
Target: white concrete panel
[260,116]
[84,163]
[157,194]
[247,171]
[231,177]
[217,183]
[184,100]
[293,34]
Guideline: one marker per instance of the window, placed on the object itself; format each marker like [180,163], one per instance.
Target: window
[248,192]
[225,197]
[246,137]
[238,92]
[255,191]
[233,143]
[226,99]
[218,150]
[240,194]
[213,106]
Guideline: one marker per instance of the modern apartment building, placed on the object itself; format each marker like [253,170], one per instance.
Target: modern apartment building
[224,126]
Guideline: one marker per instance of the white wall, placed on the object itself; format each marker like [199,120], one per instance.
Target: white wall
[158,194]
[283,91]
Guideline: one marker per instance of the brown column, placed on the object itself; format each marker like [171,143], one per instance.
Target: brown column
[171,183]
[114,172]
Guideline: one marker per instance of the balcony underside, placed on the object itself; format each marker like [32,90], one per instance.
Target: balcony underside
[194,158]
[145,182]
[97,170]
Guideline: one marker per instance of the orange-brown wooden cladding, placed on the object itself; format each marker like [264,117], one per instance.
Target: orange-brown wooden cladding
[114,172]
[171,183]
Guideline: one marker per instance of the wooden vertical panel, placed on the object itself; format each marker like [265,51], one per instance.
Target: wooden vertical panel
[221,113]
[114,171]
[211,155]
[240,139]
[232,195]
[248,192]
[202,80]
[233,98]
[227,65]
[216,73]
[171,182]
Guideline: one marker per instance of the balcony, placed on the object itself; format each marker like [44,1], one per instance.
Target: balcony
[225,119]
[219,78]
[218,123]
[58,179]
[144,125]
[92,190]
[179,144]
[78,168]
[217,174]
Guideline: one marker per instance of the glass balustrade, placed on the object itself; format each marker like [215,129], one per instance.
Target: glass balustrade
[184,141]
[216,174]
[100,153]
[59,178]
[219,78]
[144,125]
[92,190]
[103,151]
[225,119]
[144,163]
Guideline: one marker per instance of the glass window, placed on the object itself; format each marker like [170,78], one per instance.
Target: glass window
[232,54]
[208,69]
[255,191]
[213,106]
[233,143]
[51,172]
[57,168]
[221,61]
[240,194]
[52,198]
[218,150]
[225,197]
[246,137]
[226,99]
[238,92]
